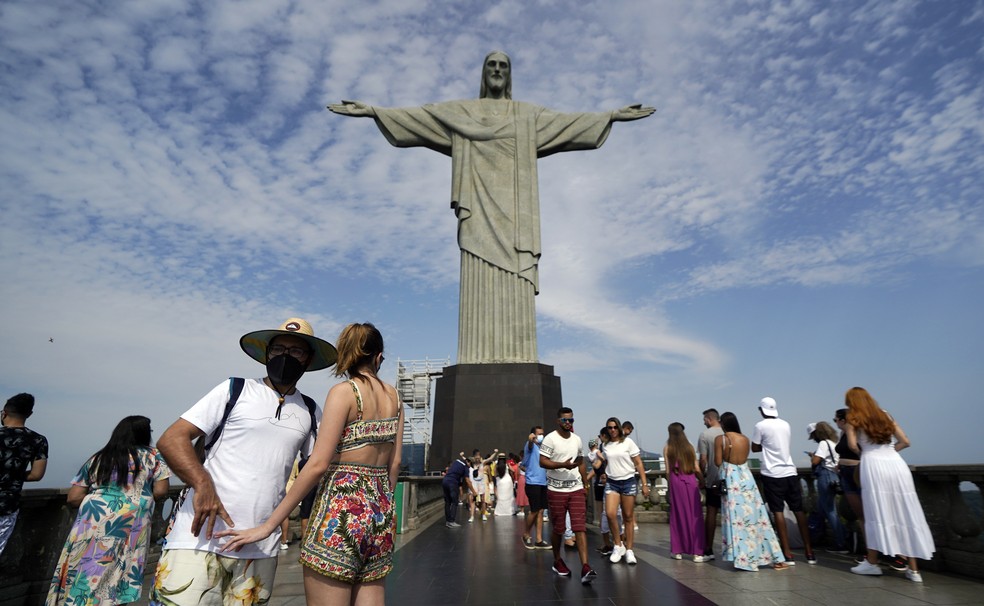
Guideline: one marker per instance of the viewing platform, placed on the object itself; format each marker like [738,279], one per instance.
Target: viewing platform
[485,562]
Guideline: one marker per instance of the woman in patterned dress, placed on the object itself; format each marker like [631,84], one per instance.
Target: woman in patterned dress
[746,526]
[103,558]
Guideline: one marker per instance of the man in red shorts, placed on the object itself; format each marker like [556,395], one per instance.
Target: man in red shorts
[561,454]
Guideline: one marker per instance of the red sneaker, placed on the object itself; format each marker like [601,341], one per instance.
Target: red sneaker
[587,575]
[560,568]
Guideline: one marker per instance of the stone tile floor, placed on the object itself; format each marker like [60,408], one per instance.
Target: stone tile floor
[485,563]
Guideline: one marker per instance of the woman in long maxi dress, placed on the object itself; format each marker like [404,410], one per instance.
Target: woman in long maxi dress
[746,526]
[894,522]
[686,516]
[504,499]
[103,558]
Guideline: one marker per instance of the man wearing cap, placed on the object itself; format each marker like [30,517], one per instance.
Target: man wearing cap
[244,472]
[23,458]
[780,481]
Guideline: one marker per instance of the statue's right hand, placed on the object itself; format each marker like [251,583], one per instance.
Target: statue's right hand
[352,108]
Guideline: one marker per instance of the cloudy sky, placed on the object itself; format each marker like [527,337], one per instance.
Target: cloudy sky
[803,213]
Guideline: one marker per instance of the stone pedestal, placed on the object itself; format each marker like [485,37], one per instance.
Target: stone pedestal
[489,406]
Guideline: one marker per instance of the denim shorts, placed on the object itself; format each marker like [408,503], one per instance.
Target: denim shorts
[627,487]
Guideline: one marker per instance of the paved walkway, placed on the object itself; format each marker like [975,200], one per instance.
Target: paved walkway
[485,563]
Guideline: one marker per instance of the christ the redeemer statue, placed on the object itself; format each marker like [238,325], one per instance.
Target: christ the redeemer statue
[494,143]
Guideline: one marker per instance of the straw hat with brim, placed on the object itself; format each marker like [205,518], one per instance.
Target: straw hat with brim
[255,343]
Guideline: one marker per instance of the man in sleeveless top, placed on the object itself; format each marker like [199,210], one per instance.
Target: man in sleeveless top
[705,452]
[242,477]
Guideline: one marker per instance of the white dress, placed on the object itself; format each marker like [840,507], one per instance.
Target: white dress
[504,499]
[894,522]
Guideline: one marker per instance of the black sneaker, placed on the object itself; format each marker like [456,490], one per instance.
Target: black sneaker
[528,543]
[811,558]
[543,545]
[898,563]
[606,550]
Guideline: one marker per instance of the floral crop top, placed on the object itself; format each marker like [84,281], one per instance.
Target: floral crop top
[359,433]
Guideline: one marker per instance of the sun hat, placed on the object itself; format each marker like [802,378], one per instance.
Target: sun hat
[323,354]
[768,407]
[592,443]
[810,429]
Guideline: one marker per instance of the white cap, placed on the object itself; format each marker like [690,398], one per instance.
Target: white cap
[768,407]
[810,429]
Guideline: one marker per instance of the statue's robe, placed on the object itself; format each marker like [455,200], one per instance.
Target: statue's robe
[494,145]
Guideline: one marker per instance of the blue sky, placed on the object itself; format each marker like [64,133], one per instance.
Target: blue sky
[803,213]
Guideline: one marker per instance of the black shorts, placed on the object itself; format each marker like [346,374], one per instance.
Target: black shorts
[537,496]
[848,485]
[598,490]
[783,490]
[712,497]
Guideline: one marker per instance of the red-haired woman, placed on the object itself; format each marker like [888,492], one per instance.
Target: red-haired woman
[893,518]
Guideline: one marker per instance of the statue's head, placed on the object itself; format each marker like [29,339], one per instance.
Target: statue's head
[496,76]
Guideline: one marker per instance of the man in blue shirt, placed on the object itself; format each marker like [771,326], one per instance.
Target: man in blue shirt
[536,489]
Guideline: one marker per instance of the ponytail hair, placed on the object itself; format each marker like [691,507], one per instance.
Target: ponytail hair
[358,345]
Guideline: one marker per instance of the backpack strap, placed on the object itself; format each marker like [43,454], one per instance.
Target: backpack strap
[235,388]
[312,410]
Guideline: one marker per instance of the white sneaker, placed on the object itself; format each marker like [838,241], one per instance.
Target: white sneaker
[700,559]
[471,519]
[913,575]
[629,557]
[867,568]
[485,518]
[284,547]
[617,554]
[676,556]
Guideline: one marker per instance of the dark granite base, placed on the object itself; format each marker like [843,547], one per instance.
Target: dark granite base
[489,406]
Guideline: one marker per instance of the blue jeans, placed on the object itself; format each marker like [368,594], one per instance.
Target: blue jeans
[827,504]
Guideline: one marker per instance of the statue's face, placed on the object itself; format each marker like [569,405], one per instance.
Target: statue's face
[496,74]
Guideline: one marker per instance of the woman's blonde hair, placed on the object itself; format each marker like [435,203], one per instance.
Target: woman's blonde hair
[358,345]
[823,431]
[864,413]
[680,451]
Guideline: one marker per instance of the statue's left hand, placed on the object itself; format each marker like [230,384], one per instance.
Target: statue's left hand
[632,112]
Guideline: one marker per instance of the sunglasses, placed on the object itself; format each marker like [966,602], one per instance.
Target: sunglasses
[563,420]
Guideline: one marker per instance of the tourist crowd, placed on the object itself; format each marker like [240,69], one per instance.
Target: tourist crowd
[236,448]
[552,481]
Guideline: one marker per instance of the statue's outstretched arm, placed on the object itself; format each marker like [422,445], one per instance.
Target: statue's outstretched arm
[353,108]
[630,112]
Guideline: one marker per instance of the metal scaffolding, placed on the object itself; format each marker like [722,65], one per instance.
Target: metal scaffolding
[413,383]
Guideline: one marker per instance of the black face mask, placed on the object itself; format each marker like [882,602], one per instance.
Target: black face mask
[284,369]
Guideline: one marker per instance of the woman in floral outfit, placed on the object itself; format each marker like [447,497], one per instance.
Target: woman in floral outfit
[103,558]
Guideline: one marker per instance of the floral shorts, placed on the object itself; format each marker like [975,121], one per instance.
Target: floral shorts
[186,577]
[350,534]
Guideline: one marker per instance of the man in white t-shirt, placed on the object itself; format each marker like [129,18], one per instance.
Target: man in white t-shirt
[780,481]
[241,476]
[561,454]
